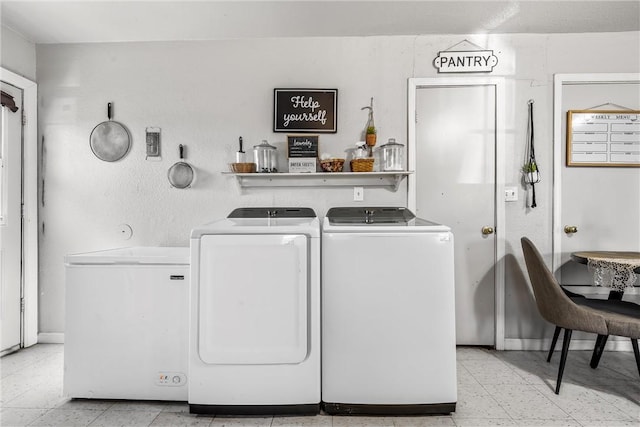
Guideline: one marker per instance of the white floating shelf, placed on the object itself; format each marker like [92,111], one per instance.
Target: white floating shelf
[389,180]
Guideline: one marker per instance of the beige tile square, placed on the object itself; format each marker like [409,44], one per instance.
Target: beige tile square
[609,423]
[308,421]
[492,371]
[473,353]
[67,417]
[583,404]
[423,421]
[480,422]
[138,405]
[241,422]
[38,397]
[475,402]
[111,418]
[176,407]
[18,417]
[358,421]
[180,419]
[96,404]
[549,423]
[525,402]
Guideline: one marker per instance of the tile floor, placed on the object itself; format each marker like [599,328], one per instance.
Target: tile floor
[512,388]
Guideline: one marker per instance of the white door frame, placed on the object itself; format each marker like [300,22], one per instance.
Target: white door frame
[30,200]
[499,84]
[559,80]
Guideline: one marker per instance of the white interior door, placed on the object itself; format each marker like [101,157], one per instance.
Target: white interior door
[11,222]
[606,215]
[455,169]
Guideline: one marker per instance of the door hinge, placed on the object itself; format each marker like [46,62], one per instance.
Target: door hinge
[416,116]
[21,305]
[24,118]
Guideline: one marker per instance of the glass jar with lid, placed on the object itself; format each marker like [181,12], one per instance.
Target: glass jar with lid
[392,155]
[265,157]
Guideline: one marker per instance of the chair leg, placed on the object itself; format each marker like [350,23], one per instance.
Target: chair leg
[601,341]
[563,357]
[556,334]
[636,352]
[616,295]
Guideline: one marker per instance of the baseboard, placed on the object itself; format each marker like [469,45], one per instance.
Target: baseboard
[545,344]
[51,338]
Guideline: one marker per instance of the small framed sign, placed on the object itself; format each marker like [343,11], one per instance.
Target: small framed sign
[305,110]
[303,152]
[302,145]
[302,164]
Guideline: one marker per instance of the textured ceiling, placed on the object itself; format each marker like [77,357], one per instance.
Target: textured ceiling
[119,21]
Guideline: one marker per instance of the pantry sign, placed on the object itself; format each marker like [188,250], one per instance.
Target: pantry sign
[465,61]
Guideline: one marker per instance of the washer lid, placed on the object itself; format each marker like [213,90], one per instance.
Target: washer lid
[370,215]
[272,212]
[146,255]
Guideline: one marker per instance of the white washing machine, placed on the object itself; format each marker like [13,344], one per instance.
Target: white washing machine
[388,313]
[127,324]
[254,342]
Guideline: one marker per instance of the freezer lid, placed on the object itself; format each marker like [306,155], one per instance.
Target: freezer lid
[370,215]
[272,212]
[146,255]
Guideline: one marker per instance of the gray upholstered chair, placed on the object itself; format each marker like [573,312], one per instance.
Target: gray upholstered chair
[624,326]
[557,308]
[622,318]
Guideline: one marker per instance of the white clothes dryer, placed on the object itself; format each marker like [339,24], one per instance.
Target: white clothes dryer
[254,341]
[388,313]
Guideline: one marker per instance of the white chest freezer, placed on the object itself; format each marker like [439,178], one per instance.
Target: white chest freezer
[126,333]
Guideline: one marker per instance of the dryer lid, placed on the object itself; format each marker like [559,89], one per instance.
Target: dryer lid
[272,212]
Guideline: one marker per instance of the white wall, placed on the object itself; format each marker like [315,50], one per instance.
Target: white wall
[206,94]
[17,54]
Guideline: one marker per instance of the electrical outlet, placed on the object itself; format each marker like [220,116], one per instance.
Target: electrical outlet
[358,194]
[510,194]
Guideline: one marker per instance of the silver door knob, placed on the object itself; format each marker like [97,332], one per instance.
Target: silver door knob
[487,230]
[570,229]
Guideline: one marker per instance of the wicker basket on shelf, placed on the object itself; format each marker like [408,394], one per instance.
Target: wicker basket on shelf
[362,165]
[242,167]
[332,165]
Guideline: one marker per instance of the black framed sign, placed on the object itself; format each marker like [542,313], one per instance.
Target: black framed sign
[305,110]
[302,145]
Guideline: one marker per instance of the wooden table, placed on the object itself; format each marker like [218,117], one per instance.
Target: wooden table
[625,265]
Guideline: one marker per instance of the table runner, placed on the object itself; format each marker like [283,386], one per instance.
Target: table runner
[614,273]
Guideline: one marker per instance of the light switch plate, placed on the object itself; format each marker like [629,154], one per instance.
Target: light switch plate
[510,194]
[153,142]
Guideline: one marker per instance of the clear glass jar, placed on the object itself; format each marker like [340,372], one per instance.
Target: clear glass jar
[265,157]
[392,156]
